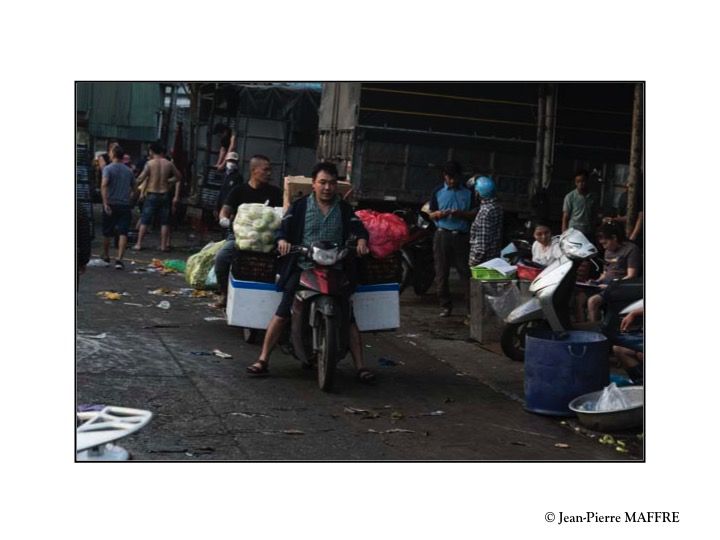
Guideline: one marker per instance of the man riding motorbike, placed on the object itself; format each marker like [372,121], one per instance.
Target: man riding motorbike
[320,216]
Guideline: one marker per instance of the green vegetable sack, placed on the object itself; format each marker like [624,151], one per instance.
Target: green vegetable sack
[199,265]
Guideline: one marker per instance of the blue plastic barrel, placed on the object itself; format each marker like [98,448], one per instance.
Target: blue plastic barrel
[561,367]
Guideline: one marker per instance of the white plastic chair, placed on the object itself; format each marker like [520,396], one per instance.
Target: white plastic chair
[99,429]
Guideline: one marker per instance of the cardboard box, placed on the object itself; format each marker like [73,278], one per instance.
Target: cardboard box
[299,186]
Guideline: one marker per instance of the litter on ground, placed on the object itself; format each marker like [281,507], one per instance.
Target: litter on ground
[110,295]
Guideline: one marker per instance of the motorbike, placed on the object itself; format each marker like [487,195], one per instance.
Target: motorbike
[552,289]
[321,313]
[418,265]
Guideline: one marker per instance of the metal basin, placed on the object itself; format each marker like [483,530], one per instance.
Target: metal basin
[611,420]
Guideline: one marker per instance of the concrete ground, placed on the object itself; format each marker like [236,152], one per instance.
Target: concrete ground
[446,397]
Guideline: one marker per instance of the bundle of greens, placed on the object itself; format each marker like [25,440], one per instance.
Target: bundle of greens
[255,226]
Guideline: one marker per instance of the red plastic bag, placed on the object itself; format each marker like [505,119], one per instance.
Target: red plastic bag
[388,232]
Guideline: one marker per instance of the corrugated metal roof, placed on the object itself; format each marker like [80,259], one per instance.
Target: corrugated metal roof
[121,110]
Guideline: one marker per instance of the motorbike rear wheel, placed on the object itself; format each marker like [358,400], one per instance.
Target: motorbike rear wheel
[251,335]
[423,281]
[326,354]
[512,340]
[407,274]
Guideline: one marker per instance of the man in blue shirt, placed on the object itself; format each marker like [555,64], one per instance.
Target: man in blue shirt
[452,206]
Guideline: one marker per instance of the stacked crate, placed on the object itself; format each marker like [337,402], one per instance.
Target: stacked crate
[83,189]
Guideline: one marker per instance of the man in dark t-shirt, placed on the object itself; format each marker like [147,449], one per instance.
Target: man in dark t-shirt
[231,178]
[256,190]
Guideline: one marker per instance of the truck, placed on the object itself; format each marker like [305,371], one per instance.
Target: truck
[391,139]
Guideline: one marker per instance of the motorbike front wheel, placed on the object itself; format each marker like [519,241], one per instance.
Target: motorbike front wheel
[512,340]
[326,354]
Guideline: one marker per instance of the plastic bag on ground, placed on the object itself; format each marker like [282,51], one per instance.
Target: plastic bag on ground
[254,227]
[199,265]
[612,399]
[211,279]
[175,264]
[388,232]
[504,298]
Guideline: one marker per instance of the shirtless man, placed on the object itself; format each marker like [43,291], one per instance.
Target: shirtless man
[159,185]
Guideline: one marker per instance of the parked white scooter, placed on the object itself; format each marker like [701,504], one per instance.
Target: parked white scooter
[551,291]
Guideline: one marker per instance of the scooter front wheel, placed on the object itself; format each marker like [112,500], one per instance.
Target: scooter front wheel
[326,354]
[512,340]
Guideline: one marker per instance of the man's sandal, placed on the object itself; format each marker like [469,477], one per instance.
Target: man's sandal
[366,376]
[258,368]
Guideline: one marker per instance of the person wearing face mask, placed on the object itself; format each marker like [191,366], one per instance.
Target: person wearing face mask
[257,190]
[231,178]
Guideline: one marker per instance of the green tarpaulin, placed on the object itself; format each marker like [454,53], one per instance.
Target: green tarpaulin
[121,110]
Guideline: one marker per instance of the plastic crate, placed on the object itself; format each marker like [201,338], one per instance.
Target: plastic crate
[255,266]
[372,271]
[209,198]
[528,273]
[488,274]
[215,178]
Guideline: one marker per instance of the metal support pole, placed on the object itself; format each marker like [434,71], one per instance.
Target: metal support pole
[195,97]
[172,121]
[549,142]
[635,157]
[538,164]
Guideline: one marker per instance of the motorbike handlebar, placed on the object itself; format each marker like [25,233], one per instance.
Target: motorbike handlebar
[350,245]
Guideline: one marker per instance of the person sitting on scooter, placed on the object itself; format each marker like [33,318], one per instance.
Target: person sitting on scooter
[320,216]
[544,250]
[622,261]
[630,346]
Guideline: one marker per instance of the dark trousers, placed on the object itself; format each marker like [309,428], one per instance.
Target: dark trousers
[451,249]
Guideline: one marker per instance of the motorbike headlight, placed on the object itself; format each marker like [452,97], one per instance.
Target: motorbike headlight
[575,245]
[325,257]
